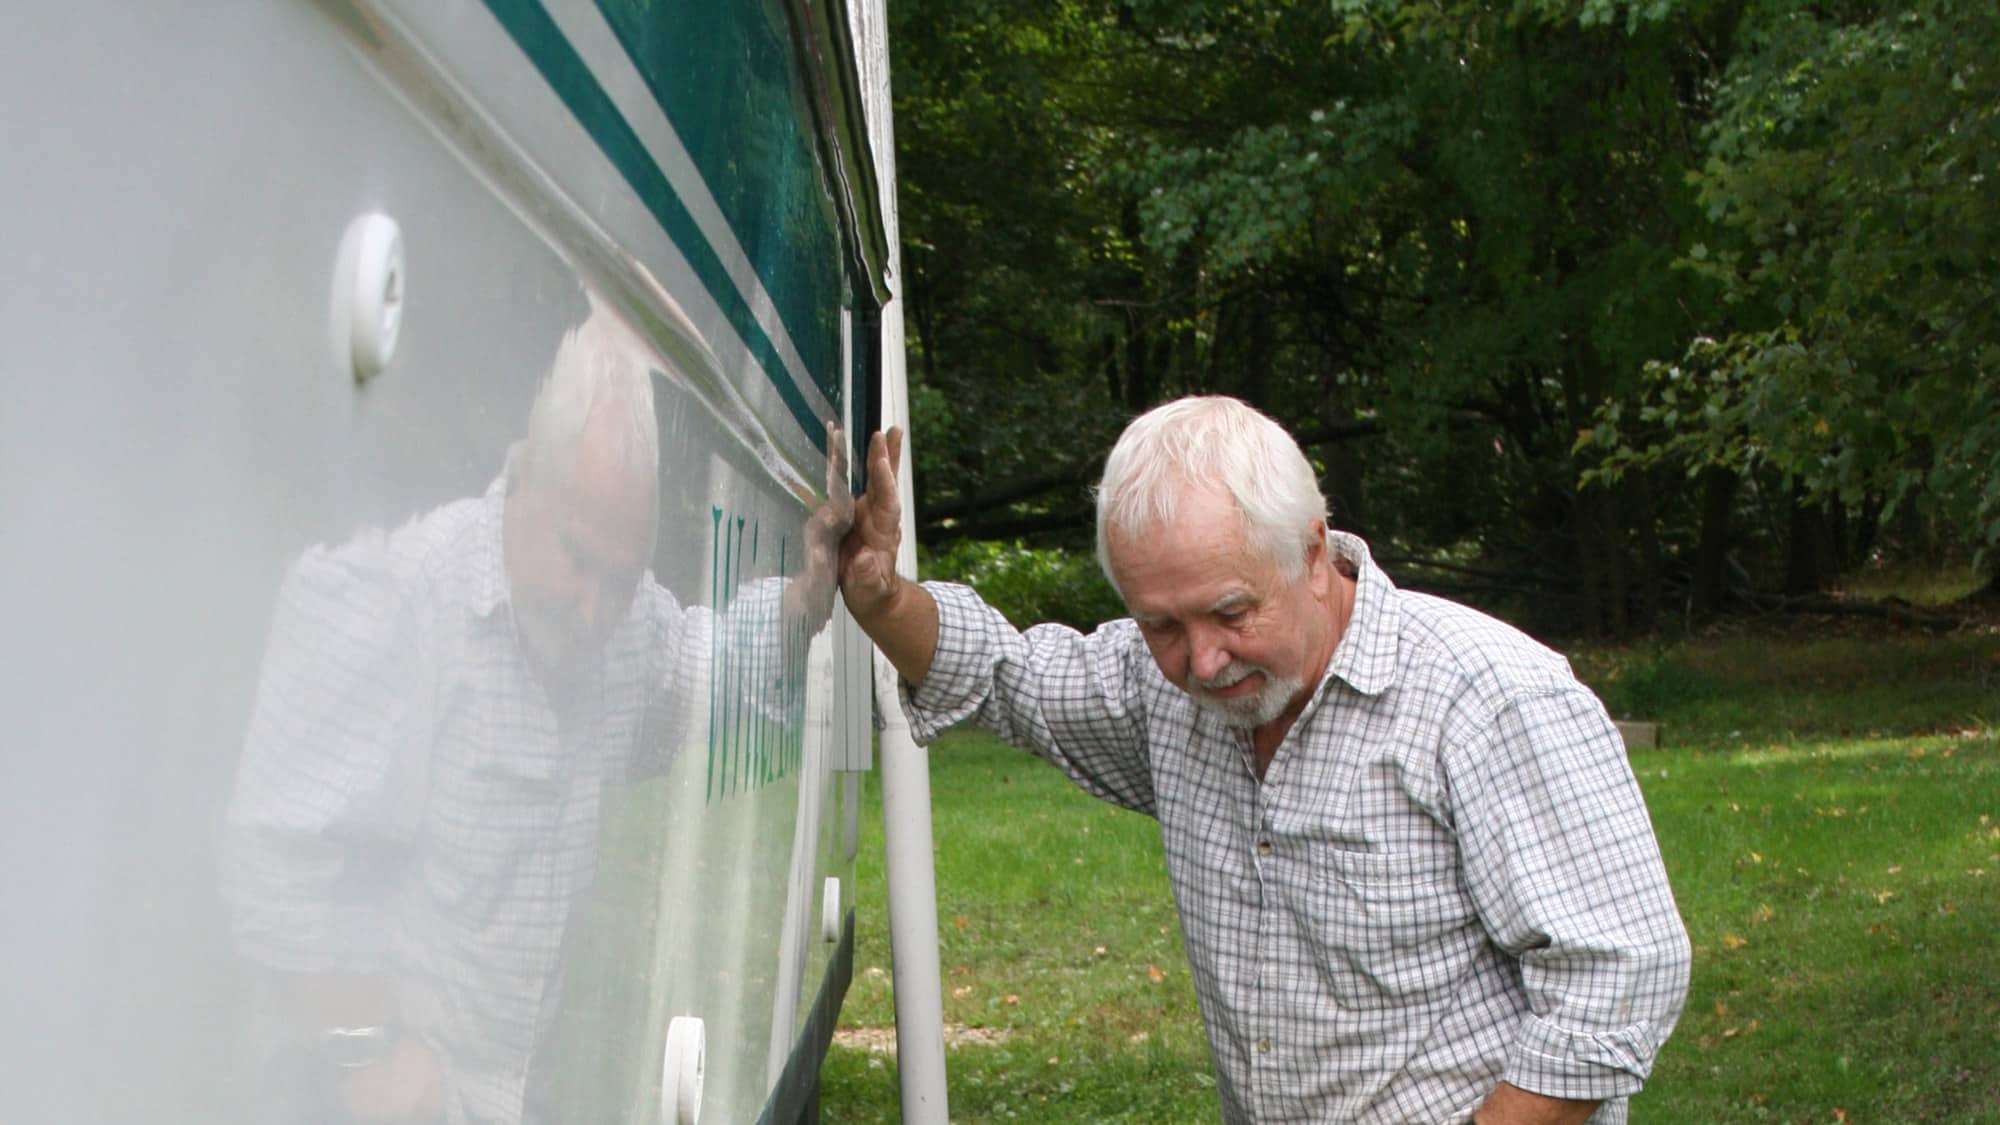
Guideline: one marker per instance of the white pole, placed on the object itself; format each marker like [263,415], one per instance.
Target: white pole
[906,822]
[906,780]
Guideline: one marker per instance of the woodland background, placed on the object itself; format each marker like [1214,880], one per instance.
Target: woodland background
[1614,316]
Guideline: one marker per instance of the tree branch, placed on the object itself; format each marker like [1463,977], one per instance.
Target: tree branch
[1010,491]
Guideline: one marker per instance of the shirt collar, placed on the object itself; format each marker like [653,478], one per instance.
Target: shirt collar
[1366,655]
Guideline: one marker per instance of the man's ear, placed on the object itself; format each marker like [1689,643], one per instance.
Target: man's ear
[1316,562]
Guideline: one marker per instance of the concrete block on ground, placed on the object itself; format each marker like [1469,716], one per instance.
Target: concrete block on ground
[1639,736]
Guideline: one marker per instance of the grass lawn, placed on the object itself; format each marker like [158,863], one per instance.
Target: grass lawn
[1829,807]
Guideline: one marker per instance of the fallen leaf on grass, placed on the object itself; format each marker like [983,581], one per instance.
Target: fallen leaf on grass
[1732,941]
[1154,974]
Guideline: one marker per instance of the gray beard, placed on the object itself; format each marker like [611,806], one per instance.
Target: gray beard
[1250,711]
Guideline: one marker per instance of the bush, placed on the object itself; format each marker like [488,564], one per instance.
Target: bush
[1029,584]
[1653,689]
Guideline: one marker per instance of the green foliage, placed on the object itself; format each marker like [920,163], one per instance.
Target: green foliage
[1517,268]
[1030,585]
[1850,174]
[1659,687]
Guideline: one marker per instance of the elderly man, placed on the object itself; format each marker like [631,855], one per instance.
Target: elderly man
[1416,876]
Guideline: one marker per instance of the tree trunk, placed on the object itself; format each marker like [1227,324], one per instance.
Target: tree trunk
[1589,563]
[1718,502]
[1990,592]
[1650,569]
[1610,532]
[1867,527]
[1808,547]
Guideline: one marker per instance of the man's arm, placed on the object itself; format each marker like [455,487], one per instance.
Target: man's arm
[1561,858]
[897,614]
[1510,1105]
[1071,699]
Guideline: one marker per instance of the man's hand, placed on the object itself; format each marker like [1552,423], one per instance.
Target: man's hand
[809,596]
[868,577]
[897,614]
[406,1087]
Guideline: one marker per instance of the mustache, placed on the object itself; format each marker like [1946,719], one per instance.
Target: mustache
[1233,673]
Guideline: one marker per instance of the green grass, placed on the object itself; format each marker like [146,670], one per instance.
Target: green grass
[1829,809]
[1057,940]
[1751,691]
[1924,585]
[1843,899]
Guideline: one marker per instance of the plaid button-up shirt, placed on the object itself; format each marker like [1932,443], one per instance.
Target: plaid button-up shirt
[412,803]
[1446,878]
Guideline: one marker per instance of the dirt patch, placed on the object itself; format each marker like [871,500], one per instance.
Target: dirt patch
[882,1040]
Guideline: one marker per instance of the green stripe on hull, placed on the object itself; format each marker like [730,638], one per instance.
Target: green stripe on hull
[556,59]
[725,76]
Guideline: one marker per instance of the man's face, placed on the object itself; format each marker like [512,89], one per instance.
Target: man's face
[1222,623]
[576,550]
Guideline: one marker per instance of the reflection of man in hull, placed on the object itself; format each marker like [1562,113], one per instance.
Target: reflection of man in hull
[439,712]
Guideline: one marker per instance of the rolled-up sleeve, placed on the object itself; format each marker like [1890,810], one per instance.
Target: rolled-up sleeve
[1566,872]
[1073,699]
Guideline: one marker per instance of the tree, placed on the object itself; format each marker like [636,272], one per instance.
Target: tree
[1447,243]
[1851,173]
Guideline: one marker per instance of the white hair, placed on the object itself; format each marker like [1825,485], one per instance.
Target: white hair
[600,363]
[1217,443]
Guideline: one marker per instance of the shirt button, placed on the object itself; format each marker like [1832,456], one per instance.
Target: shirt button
[1263,847]
[1263,1046]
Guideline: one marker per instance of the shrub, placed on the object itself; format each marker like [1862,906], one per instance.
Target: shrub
[1029,584]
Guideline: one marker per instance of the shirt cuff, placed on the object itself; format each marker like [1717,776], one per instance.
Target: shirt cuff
[961,671]
[1583,1066]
